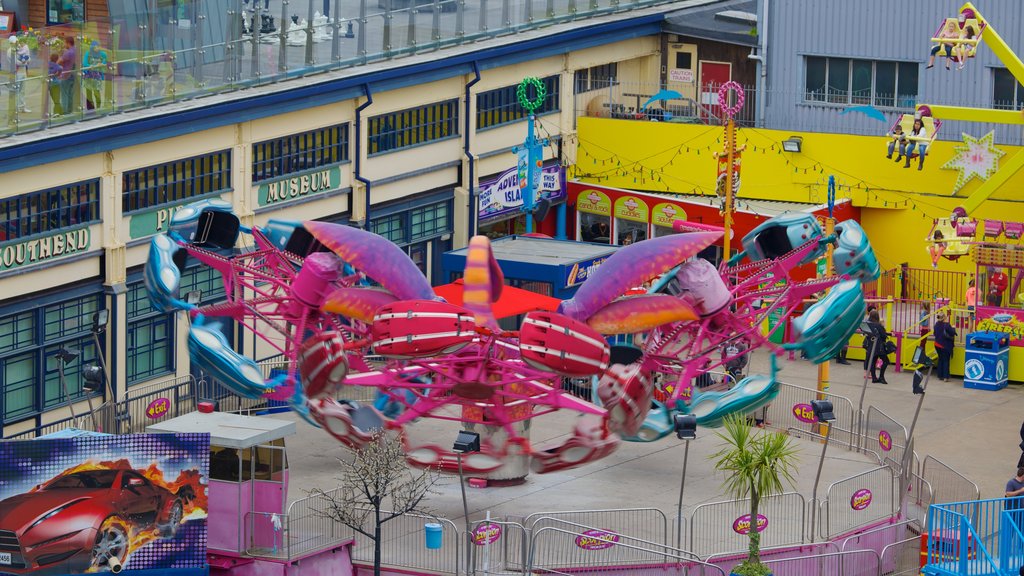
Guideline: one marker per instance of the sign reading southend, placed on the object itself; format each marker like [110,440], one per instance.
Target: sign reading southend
[45,249]
[287,189]
[503,196]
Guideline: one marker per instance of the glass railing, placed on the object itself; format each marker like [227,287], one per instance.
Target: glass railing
[196,48]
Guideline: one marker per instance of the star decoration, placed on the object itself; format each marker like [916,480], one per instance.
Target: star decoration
[978,157]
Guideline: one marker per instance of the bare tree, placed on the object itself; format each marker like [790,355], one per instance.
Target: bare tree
[378,475]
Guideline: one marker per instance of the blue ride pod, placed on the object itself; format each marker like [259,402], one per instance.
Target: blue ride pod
[827,325]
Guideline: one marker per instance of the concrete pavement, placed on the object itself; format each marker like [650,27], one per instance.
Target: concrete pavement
[975,432]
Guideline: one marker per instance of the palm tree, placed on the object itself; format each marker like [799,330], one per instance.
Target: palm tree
[757,465]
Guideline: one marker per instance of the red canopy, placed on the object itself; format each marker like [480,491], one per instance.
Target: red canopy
[513,301]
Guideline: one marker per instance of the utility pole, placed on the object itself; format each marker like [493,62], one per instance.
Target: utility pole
[731,155]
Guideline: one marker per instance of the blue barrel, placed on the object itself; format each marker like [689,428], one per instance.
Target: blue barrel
[433,533]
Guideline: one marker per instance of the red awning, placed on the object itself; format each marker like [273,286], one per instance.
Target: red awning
[513,301]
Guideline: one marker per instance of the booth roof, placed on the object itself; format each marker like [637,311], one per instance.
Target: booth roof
[513,301]
[543,251]
[227,430]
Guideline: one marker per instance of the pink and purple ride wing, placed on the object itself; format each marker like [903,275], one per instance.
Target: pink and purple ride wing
[376,257]
[640,313]
[632,266]
[482,282]
[358,303]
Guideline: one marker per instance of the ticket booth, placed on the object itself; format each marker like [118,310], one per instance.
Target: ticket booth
[248,486]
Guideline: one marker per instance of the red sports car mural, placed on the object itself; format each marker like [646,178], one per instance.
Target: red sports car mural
[89,519]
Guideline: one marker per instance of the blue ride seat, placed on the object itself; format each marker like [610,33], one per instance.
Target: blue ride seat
[781,235]
[827,324]
[853,255]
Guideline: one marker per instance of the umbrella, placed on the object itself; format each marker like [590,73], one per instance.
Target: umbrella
[662,95]
[869,111]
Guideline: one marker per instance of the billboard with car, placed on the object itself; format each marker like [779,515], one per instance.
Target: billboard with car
[103,503]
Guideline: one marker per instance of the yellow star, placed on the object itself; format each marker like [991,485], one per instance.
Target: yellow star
[978,157]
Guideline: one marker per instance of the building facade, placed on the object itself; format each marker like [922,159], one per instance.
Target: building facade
[401,152]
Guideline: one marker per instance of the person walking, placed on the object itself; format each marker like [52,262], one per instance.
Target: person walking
[879,337]
[944,335]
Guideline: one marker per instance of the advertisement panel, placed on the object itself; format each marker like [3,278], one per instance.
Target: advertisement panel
[1005,320]
[502,197]
[103,503]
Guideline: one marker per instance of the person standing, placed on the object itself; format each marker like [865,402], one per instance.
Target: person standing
[95,65]
[69,66]
[1014,490]
[971,296]
[53,84]
[944,334]
[997,283]
[879,337]
[22,57]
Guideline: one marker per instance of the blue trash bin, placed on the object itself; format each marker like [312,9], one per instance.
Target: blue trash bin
[987,360]
[433,533]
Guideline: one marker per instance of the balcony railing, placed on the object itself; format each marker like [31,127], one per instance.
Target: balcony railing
[206,47]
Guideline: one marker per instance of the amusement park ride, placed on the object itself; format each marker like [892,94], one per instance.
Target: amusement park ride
[328,296]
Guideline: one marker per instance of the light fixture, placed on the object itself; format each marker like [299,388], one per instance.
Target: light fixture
[92,376]
[793,144]
[193,297]
[686,429]
[66,355]
[466,442]
[823,410]
[685,426]
[99,321]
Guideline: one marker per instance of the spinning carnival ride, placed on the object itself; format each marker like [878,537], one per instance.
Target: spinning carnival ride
[304,288]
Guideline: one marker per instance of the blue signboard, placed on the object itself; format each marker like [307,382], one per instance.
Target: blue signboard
[582,270]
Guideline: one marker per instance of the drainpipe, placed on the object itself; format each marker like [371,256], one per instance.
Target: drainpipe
[359,151]
[472,159]
[762,60]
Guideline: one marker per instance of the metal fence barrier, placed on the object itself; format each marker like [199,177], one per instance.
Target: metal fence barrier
[881,539]
[648,524]
[947,484]
[854,563]
[902,558]
[722,527]
[790,411]
[553,549]
[887,436]
[858,501]
[140,407]
[498,547]
[402,545]
[728,561]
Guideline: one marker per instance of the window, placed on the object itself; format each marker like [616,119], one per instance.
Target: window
[862,82]
[501,106]
[1007,93]
[179,180]
[299,152]
[421,223]
[398,130]
[150,337]
[205,279]
[65,11]
[30,341]
[50,210]
[597,78]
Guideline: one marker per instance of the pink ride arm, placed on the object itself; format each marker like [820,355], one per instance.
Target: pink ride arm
[358,303]
[376,256]
[631,266]
[640,313]
[482,282]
